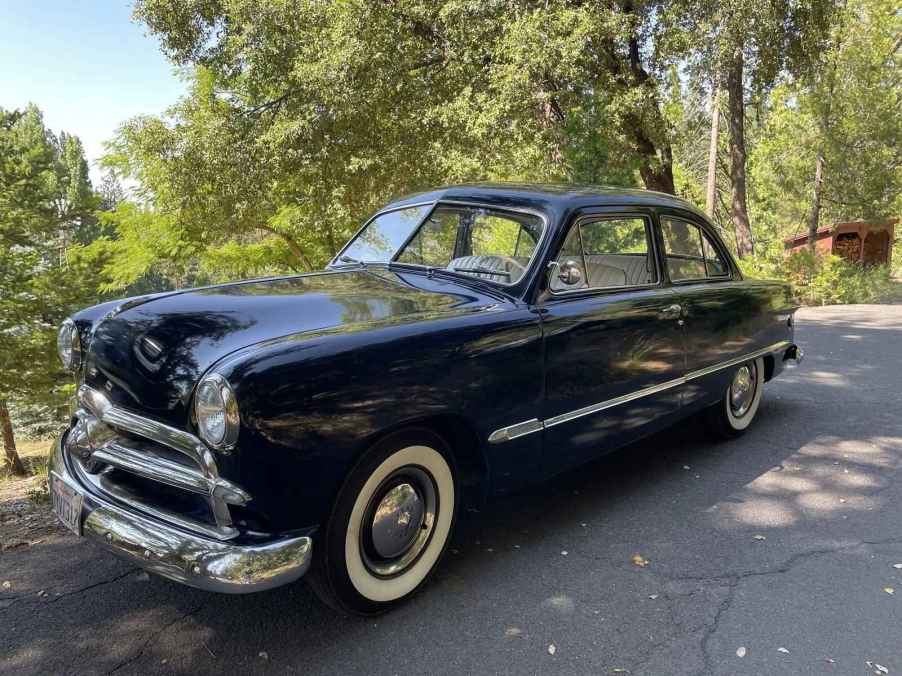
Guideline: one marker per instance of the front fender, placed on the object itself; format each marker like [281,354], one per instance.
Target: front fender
[310,405]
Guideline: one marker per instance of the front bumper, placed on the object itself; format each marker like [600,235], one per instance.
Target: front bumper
[182,556]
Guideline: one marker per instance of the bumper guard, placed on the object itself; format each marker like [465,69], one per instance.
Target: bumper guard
[208,564]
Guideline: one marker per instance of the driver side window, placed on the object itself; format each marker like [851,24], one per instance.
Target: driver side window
[608,253]
[493,235]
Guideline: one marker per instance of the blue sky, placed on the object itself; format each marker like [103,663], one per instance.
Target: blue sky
[85,64]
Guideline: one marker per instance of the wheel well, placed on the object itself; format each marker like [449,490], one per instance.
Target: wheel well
[768,367]
[469,459]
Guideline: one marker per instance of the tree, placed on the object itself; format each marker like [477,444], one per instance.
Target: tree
[302,118]
[45,199]
[748,46]
[711,178]
[831,145]
[854,96]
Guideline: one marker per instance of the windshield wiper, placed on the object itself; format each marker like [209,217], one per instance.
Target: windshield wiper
[484,271]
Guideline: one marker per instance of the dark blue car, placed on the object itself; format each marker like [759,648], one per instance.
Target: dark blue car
[466,342]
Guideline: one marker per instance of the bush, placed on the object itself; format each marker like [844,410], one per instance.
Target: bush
[823,280]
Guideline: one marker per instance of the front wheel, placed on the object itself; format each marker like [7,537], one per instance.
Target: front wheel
[733,414]
[390,525]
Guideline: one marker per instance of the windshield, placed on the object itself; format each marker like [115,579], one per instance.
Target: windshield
[384,235]
[491,244]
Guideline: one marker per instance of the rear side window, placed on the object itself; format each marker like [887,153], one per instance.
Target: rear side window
[690,253]
[610,253]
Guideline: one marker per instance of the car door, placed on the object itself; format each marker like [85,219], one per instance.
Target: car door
[725,318]
[613,348]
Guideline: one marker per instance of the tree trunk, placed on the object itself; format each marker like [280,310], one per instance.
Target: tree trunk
[293,246]
[738,203]
[814,217]
[656,168]
[9,441]
[657,174]
[552,118]
[711,193]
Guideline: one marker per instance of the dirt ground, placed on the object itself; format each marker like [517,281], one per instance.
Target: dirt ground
[25,519]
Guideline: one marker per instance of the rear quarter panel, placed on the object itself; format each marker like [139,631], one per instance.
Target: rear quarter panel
[726,320]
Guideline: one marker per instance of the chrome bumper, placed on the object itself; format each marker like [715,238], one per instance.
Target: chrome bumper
[794,354]
[200,562]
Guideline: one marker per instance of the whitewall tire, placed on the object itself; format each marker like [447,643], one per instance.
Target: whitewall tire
[736,410]
[390,525]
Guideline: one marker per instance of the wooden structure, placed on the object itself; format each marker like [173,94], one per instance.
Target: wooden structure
[860,241]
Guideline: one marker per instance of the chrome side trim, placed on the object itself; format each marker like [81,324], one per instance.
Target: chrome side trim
[737,360]
[520,429]
[535,425]
[610,403]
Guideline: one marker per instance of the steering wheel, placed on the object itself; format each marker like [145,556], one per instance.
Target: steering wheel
[514,264]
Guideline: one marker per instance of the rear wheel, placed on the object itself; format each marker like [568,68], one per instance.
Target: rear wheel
[733,414]
[390,524]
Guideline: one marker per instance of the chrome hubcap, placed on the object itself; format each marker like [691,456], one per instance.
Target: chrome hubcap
[399,521]
[742,390]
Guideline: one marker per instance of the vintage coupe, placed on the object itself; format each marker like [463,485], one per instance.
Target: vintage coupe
[465,342]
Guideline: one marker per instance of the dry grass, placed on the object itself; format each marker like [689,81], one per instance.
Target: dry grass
[33,486]
[25,516]
[33,455]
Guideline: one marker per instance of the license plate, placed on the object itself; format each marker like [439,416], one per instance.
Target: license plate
[66,503]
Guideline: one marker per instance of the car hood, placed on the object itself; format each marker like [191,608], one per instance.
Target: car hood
[148,353]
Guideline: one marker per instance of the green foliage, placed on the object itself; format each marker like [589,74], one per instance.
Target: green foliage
[823,280]
[305,117]
[46,207]
[849,108]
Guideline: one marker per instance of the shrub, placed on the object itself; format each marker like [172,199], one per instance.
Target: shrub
[823,280]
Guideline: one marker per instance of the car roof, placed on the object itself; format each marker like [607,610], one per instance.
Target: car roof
[546,196]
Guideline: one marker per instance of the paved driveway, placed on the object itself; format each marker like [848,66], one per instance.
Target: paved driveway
[779,546]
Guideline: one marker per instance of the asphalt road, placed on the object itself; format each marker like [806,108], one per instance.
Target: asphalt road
[779,546]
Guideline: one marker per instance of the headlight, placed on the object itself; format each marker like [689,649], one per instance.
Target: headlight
[68,343]
[216,411]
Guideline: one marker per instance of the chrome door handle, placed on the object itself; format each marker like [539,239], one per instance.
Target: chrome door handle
[671,312]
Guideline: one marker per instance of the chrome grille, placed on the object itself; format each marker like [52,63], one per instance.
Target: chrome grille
[107,440]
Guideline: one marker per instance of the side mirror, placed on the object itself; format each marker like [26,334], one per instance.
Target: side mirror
[568,272]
